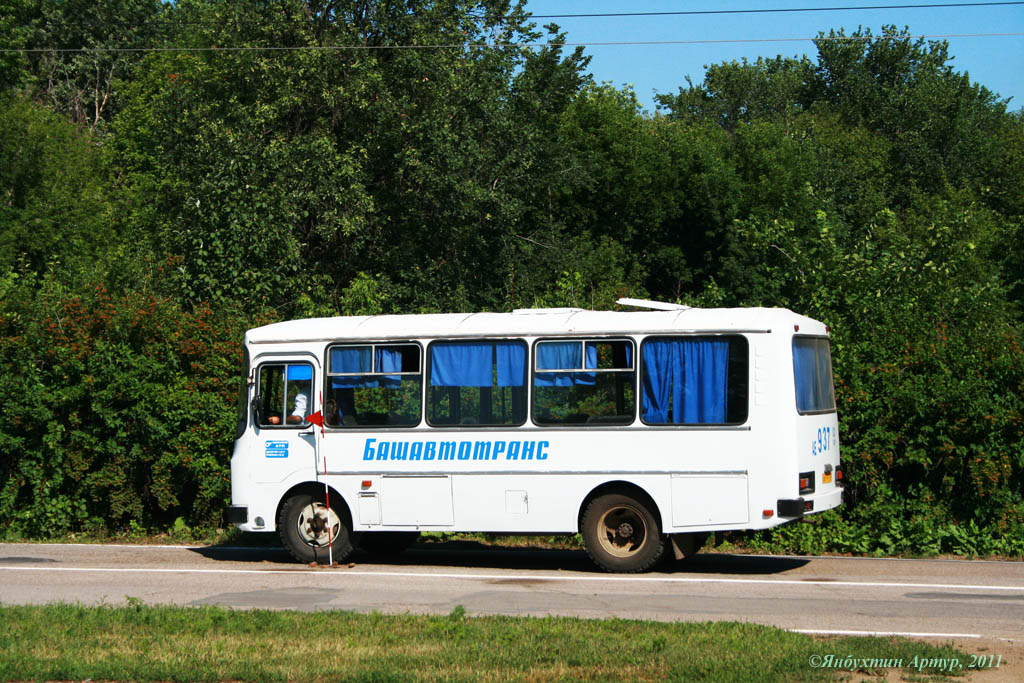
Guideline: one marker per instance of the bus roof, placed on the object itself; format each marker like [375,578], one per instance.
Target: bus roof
[532,322]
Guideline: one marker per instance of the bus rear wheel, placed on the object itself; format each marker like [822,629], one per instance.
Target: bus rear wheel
[621,534]
[306,524]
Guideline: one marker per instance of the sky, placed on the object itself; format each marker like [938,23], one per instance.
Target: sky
[996,62]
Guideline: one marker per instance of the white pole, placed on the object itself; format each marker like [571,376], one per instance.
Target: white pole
[327,490]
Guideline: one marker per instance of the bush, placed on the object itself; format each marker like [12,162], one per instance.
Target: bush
[117,410]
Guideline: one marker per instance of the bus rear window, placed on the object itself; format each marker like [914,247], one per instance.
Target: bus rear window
[812,371]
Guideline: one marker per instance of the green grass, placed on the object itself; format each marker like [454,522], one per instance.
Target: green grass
[138,642]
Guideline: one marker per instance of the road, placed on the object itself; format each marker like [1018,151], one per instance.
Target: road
[831,594]
[979,605]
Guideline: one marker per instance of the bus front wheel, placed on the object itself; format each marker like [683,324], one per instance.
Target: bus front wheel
[621,534]
[306,524]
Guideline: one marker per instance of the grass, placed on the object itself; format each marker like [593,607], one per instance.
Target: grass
[139,642]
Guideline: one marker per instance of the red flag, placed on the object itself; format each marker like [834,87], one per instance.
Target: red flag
[316,418]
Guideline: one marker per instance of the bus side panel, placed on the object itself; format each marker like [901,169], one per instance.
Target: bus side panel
[700,499]
[697,478]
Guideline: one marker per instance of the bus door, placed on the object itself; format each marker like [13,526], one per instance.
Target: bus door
[283,400]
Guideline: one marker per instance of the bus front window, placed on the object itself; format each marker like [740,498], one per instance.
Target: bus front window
[284,392]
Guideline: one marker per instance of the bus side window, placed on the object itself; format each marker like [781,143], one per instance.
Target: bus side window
[374,385]
[477,383]
[589,382]
[698,380]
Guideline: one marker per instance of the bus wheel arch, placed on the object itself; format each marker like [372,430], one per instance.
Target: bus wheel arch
[621,528]
[305,522]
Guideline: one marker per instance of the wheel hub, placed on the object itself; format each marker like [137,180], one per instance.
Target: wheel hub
[318,526]
[624,531]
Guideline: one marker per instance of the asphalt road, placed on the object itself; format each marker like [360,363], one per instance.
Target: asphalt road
[928,598]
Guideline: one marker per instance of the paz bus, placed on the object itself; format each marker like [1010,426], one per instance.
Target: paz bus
[641,430]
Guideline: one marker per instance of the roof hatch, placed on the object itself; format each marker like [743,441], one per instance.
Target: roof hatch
[654,305]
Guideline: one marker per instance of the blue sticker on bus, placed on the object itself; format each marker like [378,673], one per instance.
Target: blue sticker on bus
[277,449]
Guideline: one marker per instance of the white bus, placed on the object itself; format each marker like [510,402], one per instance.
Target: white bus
[643,431]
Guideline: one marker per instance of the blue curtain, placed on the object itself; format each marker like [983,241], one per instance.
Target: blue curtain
[828,399]
[299,372]
[564,356]
[805,372]
[662,372]
[557,356]
[389,359]
[685,381]
[511,360]
[706,369]
[813,375]
[589,378]
[472,364]
[352,359]
[360,359]
[461,364]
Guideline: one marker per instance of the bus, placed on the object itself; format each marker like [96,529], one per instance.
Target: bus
[642,430]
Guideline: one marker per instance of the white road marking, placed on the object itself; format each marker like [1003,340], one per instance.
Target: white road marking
[904,634]
[522,577]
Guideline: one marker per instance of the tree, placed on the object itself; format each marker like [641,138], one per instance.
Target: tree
[55,211]
[734,93]
[943,128]
[79,54]
[284,174]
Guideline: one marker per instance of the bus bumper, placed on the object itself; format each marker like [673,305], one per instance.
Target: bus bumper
[238,514]
[794,508]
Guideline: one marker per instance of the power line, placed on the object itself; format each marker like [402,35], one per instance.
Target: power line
[772,10]
[496,45]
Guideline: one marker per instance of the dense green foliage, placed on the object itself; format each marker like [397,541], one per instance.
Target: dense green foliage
[157,203]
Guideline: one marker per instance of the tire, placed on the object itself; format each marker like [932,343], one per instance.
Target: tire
[304,531]
[621,534]
[387,543]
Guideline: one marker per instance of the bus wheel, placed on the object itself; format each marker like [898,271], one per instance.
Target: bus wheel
[621,534]
[387,542]
[305,525]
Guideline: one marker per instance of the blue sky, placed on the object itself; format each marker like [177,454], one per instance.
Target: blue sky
[995,62]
